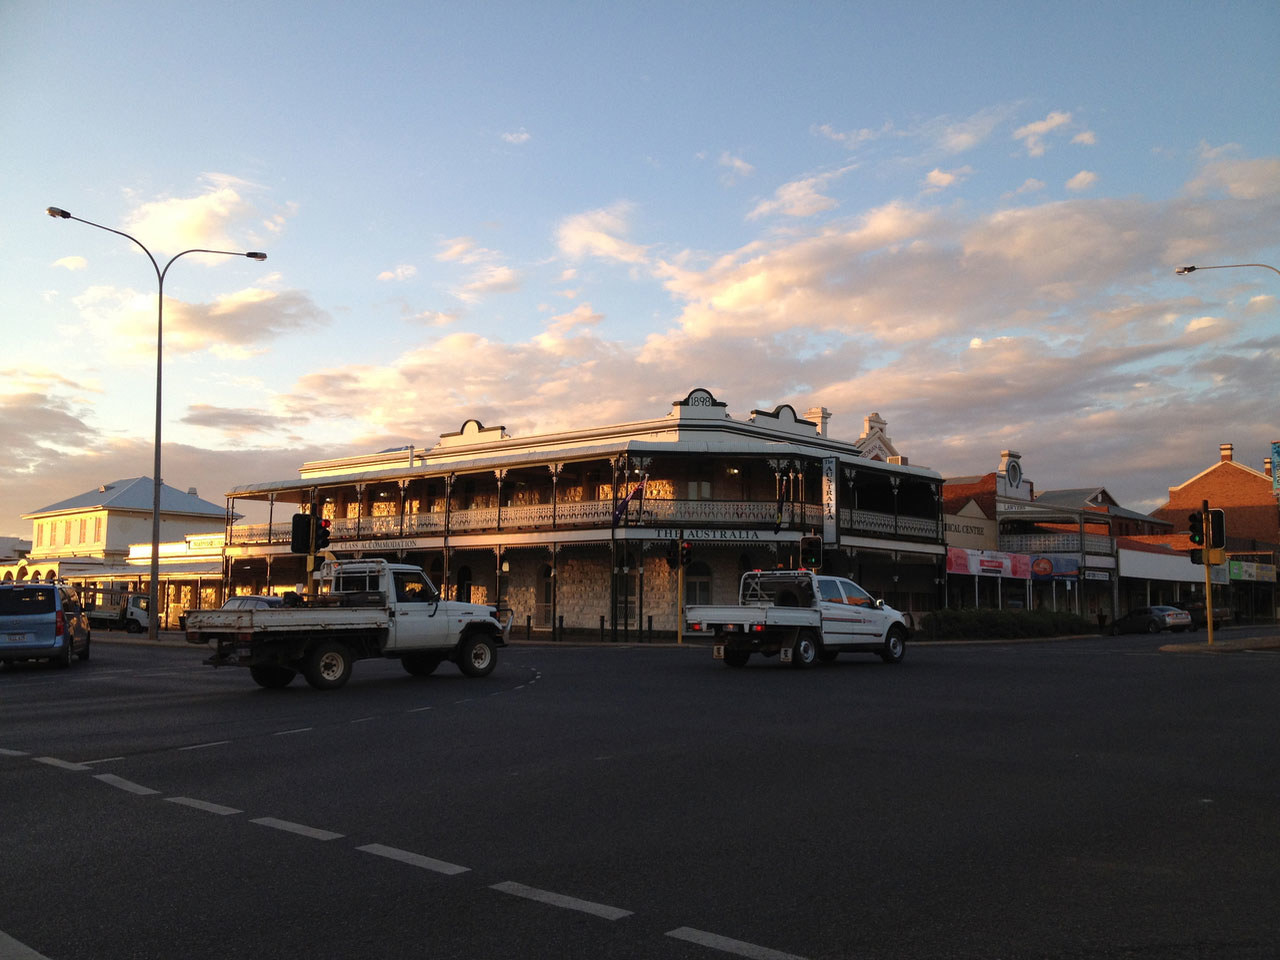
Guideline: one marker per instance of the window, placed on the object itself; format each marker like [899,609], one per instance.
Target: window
[830,591]
[97,529]
[855,595]
[39,534]
[84,525]
[697,583]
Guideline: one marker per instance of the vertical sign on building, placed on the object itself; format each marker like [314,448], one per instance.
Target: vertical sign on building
[1275,466]
[830,468]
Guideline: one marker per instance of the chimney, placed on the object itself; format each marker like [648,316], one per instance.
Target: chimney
[191,492]
[1266,466]
[821,416]
[1225,452]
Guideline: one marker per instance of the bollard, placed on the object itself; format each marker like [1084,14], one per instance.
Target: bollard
[648,633]
[602,628]
[528,627]
[560,633]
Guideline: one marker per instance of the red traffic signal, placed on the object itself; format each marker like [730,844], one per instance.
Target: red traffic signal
[322,533]
[686,553]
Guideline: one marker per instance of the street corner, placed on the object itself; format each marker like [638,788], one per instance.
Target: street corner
[1229,645]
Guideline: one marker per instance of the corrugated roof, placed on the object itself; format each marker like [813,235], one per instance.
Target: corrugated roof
[134,493]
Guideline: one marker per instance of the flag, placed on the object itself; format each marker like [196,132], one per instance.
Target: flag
[777,520]
[621,510]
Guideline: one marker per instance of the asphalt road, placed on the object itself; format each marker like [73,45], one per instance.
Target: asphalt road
[1084,798]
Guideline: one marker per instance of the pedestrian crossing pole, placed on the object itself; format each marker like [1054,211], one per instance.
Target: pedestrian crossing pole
[1208,569]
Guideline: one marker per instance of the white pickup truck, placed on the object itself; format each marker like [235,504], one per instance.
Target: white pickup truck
[799,616]
[365,609]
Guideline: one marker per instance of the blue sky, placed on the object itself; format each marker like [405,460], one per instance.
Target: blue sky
[963,217]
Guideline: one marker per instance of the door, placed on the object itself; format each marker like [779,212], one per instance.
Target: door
[417,622]
[837,616]
[870,622]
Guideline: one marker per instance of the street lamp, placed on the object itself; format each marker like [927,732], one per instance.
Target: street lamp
[1183,271]
[153,595]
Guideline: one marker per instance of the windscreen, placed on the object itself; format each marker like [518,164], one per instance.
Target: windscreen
[18,602]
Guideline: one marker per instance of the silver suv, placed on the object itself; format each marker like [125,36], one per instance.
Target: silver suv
[42,621]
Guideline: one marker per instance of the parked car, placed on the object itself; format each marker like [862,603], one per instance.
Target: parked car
[1221,613]
[252,602]
[1153,620]
[42,621]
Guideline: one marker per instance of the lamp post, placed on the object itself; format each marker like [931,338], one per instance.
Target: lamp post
[153,595]
[1183,271]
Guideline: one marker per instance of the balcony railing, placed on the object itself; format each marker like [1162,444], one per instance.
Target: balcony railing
[599,513]
[1094,543]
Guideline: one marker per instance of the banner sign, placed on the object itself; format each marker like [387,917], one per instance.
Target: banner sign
[830,470]
[1044,569]
[988,563]
[1275,466]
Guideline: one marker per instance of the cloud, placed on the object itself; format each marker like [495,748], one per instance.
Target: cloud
[599,233]
[488,280]
[1240,179]
[1032,134]
[937,179]
[1082,180]
[72,263]
[800,198]
[231,421]
[518,137]
[853,138]
[404,271]
[1085,137]
[737,168]
[216,218]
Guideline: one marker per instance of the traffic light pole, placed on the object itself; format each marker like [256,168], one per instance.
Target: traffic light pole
[1208,583]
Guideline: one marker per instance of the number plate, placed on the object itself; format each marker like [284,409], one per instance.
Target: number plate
[730,628]
[18,637]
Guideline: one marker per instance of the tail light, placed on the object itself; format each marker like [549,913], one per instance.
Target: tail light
[60,623]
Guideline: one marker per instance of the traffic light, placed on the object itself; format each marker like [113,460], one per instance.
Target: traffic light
[300,534]
[686,553]
[1217,528]
[322,534]
[1197,528]
[811,552]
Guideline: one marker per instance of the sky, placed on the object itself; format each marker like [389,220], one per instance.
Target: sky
[963,217]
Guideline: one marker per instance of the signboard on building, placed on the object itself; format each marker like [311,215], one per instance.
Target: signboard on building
[988,563]
[1258,572]
[830,472]
[1064,567]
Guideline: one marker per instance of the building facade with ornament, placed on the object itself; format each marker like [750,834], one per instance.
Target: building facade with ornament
[581,530]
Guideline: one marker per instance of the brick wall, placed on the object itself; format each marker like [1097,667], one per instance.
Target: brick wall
[1245,496]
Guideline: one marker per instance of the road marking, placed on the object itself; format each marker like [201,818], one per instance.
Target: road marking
[62,764]
[560,900]
[419,709]
[104,760]
[11,949]
[286,733]
[204,805]
[12,753]
[202,746]
[363,720]
[128,786]
[726,945]
[414,859]
[315,833]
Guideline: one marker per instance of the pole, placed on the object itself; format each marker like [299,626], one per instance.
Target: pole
[1208,583]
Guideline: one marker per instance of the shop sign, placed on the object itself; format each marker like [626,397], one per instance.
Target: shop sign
[677,533]
[1246,570]
[988,563]
[1055,568]
[1097,575]
[830,466]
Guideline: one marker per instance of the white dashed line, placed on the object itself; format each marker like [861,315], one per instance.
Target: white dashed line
[363,720]
[128,786]
[727,945]
[287,733]
[204,805]
[419,709]
[560,900]
[315,833]
[61,764]
[104,760]
[12,753]
[203,746]
[414,859]
[11,949]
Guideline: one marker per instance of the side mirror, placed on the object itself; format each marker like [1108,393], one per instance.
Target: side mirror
[879,604]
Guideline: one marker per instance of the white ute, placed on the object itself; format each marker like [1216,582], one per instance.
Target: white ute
[366,609]
[799,616]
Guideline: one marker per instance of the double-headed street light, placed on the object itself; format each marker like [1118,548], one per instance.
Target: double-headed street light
[153,601]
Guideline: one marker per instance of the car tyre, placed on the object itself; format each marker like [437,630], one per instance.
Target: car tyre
[328,665]
[271,676]
[476,655]
[895,645]
[805,652]
[1153,627]
[83,655]
[63,659]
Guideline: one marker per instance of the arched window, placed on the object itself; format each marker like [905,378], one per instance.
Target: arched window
[697,583]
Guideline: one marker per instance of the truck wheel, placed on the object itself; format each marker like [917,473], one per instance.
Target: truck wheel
[328,665]
[271,676]
[736,658]
[895,645]
[476,655]
[132,626]
[805,652]
[420,664]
